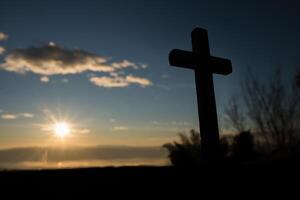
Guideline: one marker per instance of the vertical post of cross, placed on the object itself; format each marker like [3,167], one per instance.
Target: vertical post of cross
[207,112]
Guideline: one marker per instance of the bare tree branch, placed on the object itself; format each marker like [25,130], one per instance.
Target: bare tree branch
[273,107]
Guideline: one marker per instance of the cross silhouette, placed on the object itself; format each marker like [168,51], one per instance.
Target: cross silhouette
[204,66]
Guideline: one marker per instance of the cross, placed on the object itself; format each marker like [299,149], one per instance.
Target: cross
[204,66]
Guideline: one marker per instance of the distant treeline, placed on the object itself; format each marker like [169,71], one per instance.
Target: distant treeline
[60,154]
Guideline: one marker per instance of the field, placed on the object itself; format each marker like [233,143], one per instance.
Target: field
[149,181]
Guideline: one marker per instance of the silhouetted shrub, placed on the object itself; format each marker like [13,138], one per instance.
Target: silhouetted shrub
[224,148]
[243,146]
[187,152]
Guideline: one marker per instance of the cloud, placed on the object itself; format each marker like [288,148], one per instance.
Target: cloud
[51,44]
[125,64]
[139,80]
[180,123]
[9,116]
[155,122]
[109,82]
[3,36]
[2,50]
[119,81]
[52,60]
[82,131]
[27,115]
[120,128]
[64,80]
[144,66]
[44,79]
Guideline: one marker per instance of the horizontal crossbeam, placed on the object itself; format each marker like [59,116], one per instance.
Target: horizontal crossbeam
[190,60]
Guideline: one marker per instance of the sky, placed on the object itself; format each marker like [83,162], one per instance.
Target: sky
[102,66]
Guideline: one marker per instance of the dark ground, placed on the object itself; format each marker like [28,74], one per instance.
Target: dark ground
[152,182]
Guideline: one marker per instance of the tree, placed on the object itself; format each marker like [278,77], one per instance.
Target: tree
[273,108]
[235,115]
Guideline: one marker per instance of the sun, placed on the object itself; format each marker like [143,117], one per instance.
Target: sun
[61,129]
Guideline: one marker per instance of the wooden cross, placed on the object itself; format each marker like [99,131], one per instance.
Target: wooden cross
[204,66]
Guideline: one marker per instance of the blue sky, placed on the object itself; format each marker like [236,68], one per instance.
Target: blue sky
[253,34]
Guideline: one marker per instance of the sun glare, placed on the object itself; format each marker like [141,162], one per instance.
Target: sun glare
[61,129]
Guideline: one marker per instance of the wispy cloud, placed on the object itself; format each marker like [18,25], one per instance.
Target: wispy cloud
[155,122]
[2,50]
[82,131]
[27,115]
[44,79]
[143,82]
[173,123]
[64,80]
[3,36]
[125,64]
[144,66]
[180,123]
[120,128]
[9,116]
[109,82]
[120,81]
